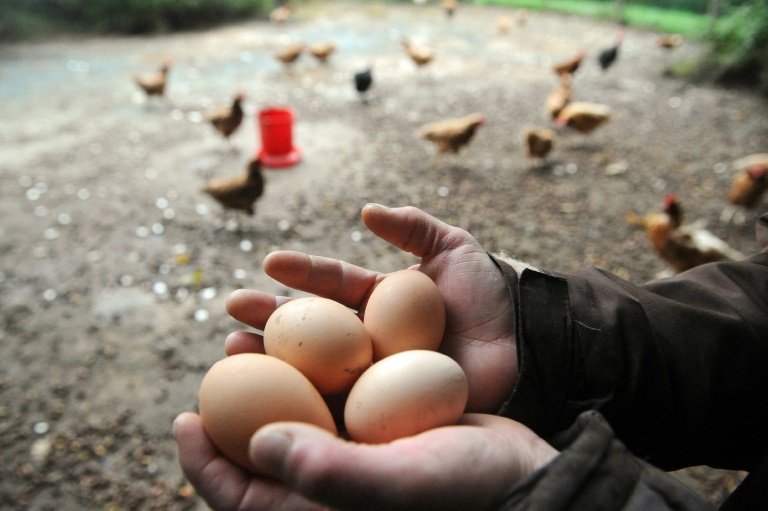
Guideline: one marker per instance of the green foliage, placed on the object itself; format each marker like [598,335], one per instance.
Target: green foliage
[738,35]
[135,16]
[739,45]
[123,16]
[686,23]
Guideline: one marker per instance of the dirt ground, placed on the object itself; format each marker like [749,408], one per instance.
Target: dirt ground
[115,267]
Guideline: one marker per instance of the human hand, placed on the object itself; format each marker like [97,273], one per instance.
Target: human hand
[480,322]
[467,466]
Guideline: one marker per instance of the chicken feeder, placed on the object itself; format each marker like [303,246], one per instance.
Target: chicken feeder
[277,149]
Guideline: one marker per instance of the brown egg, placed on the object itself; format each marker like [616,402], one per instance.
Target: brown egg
[241,393]
[405,394]
[323,339]
[405,312]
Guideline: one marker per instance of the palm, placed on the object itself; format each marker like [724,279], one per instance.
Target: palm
[399,475]
[480,314]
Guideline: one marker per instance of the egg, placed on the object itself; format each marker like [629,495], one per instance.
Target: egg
[405,394]
[323,339]
[405,312]
[241,393]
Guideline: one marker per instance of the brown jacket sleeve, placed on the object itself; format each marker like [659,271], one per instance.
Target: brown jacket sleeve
[678,367]
[595,471]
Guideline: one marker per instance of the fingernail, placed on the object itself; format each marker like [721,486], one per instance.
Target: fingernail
[174,426]
[379,206]
[268,451]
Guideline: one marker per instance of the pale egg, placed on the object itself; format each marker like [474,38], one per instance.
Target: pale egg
[405,312]
[323,339]
[241,393]
[405,394]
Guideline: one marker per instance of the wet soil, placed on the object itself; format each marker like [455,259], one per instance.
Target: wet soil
[115,267]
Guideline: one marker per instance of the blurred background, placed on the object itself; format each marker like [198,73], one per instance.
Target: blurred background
[131,208]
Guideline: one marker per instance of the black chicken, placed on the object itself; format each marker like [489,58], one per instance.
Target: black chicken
[608,56]
[363,82]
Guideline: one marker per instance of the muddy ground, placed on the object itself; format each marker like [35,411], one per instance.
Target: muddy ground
[115,267]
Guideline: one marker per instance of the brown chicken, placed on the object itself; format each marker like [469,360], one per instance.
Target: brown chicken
[521,16]
[751,181]
[322,50]
[583,117]
[538,142]
[451,135]
[420,55]
[281,14]
[560,97]
[238,193]
[154,84]
[449,7]
[503,24]
[681,246]
[227,119]
[669,41]
[569,66]
[290,53]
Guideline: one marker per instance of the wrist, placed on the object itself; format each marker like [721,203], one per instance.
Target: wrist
[542,454]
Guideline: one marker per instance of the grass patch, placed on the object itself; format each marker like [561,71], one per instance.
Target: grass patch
[691,25]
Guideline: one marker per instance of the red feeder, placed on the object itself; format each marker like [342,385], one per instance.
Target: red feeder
[277,149]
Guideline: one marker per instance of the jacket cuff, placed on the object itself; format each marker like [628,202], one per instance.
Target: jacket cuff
[596,471]
[543,351]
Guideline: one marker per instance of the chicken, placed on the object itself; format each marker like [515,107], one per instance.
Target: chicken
[681,246]
[451,135]
[154,84]
[227,119]
[584,117]
[569,66]
[281,14]
[289,53]
[363,82]
[322,50]
[420,55]
[748,185]
[238,193]
[521,16]
[560,97]
[669,41]
[449,7]
[538,142]
[503,24]
[608,56]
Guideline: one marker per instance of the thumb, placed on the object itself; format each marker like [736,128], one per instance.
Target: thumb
[468,466]
[412,230]
[316,463]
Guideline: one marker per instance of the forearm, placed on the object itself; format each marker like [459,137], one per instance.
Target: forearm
[672,365]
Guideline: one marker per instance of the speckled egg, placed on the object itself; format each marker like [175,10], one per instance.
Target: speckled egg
[323,339]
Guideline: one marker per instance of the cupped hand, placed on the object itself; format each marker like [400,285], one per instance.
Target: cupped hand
[480,322]
[467,466]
